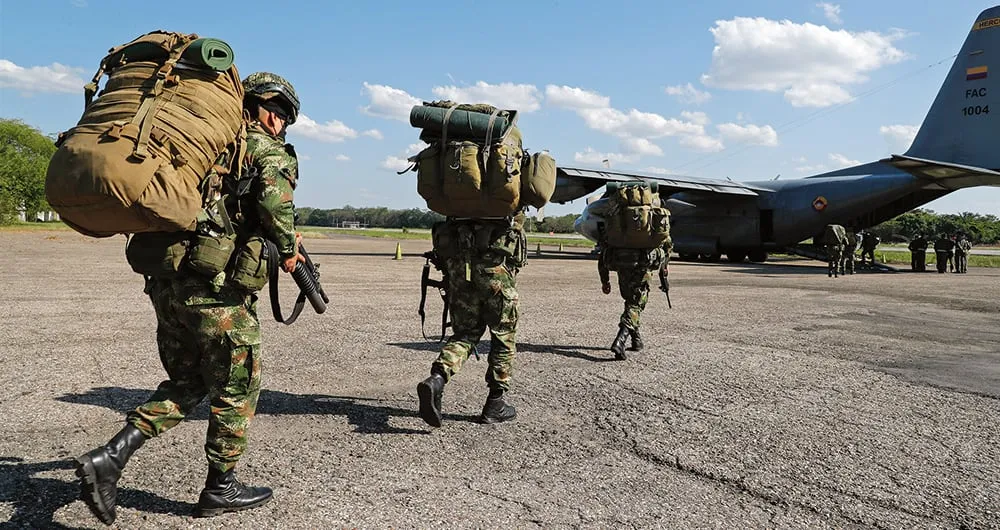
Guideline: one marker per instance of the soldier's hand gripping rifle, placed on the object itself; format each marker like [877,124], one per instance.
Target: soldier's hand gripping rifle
[665,283]
[442,287]
[306,276]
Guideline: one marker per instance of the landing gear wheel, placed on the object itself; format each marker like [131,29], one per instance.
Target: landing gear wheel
[711,258]
[736,257]
[757,256]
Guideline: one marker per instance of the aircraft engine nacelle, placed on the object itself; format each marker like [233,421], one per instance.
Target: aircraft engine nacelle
[587,223]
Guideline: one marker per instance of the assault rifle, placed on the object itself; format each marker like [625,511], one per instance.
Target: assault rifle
[306,276]
[665,284]
[442,287]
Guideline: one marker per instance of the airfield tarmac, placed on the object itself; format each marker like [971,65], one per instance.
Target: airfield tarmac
[769,397]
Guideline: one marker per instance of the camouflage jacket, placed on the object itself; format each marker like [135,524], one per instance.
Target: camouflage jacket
[963,246]
[270,174]
[618,259]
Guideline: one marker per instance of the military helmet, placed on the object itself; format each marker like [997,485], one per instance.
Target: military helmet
[267,86]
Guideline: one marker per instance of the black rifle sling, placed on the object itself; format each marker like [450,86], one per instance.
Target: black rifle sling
[272,271]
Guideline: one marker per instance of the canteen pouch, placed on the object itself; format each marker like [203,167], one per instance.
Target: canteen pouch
[249,270]
[210,254]
[157,254]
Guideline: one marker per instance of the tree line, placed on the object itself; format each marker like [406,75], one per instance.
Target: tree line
[979,228]
[24,159]
[381,217]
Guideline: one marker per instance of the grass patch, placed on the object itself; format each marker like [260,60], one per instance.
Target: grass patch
[533,241]
[903,258]
[19,226]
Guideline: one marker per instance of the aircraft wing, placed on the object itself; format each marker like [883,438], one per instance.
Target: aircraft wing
[573,183]
[945,175]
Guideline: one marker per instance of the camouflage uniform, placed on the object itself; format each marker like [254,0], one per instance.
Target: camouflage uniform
[962,248]
[209,335]
[835,238]
[918,254]
[635,271]
[850,247]
[483,290]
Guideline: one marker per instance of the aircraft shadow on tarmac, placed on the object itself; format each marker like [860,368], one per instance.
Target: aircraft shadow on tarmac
[367,415]
[37,499]
[573,352]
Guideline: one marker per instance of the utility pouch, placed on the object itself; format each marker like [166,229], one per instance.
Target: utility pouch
[157,254]
[445,239]
[249,269]
[513,244]
[210,254]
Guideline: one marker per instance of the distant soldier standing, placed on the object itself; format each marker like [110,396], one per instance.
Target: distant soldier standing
[869,243]
[962,249]
[208,332]
[944,247]
[835,239]
[918,254]
[850,247]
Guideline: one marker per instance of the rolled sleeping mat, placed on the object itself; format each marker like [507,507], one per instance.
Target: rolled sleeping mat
[212,54]
[462,124]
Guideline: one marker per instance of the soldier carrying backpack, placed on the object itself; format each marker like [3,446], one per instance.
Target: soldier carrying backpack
[477,174]
[164,153]
[634,241]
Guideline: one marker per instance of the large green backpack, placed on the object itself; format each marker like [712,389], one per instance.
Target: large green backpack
[834,235]
[475,165]
[635,217]
[137,159]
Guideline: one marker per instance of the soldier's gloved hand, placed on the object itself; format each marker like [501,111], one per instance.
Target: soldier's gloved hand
[606,288]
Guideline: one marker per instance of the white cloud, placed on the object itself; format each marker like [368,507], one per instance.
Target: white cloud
[831,12]
[342,158]
[594,158]
[841,161]
[637,123]
[333,131]
[55,78]
[688,94]
[749,134]
[388,102]
[524,98]
[413,149]
[575,98]
[703,143]
[394,163]
[373,133]
[899,136]
[811,64]
[641,147]
[699,118]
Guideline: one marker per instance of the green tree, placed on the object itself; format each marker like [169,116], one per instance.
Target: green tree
[24,158]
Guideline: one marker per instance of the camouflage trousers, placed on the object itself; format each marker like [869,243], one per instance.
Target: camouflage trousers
[486,297]
[834,254]
[633,284]
[209,344]
[847,260]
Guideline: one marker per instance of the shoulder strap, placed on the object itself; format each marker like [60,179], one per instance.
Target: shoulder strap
[151,102]
[271,255]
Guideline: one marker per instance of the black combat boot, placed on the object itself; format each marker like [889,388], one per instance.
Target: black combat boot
[224,493]
[618,346]
[100,469]
[636,341]
[429,391]
[496,410]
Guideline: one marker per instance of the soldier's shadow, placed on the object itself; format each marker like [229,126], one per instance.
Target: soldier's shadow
[36,499]
[367,415]
[573,352]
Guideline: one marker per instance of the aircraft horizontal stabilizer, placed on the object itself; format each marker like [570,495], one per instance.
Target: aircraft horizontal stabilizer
[946,175]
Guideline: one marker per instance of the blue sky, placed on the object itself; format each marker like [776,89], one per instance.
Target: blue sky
[745,90]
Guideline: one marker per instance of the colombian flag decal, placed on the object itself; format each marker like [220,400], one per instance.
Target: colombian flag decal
[978,72]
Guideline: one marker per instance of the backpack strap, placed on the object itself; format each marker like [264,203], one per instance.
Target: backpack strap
[444,137]
[151,102]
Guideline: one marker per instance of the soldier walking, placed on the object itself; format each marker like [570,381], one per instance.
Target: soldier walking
[835,239]
[962,249]
[850,247]
[634,268]
[869,243]
[208,333]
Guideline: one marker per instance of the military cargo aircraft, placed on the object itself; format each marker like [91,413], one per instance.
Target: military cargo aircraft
[957,146]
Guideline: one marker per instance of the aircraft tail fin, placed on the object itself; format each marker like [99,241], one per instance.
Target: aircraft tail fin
[961,126]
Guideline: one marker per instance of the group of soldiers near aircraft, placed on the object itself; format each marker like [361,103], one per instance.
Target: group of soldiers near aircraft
[951,251]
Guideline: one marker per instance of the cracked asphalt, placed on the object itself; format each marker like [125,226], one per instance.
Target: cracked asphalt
[769,397]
